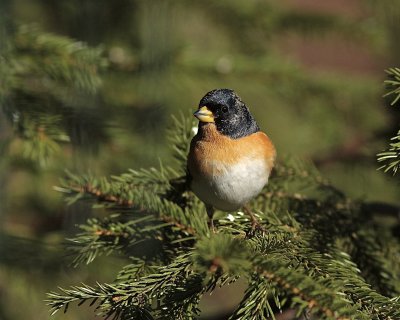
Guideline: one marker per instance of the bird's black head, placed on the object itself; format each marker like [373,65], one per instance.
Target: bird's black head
[230,115]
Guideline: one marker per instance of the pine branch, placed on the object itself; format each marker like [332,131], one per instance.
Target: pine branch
[393,85]
[223,255]
[58,58]
[179,135]
[130,191]
[295,247]
[138,268]
[256,303]
[42,74]
[391,157]
[377,257]
[114,300]
[42,135]
[295,259]
[110,235]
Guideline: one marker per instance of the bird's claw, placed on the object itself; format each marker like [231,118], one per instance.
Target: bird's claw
[211,226]
[255,224]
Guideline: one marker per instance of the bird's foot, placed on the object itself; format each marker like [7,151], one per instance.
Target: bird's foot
[211,226]
[255,223]
[210,213]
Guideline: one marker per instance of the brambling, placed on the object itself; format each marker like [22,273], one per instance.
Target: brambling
[230,159]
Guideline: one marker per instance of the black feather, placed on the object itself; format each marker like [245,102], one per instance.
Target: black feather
[232,117]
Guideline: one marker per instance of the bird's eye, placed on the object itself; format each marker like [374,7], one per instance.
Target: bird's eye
[224,109]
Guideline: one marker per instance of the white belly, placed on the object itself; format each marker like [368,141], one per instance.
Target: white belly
[230,187]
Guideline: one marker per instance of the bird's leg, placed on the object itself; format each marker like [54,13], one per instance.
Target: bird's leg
[210,213]
[255,224]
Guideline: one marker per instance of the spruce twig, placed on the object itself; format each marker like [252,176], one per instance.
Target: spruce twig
[300,262]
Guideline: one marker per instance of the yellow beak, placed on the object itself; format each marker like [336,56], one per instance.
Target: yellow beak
[204,115]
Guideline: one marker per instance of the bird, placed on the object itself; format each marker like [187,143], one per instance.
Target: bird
[230,159]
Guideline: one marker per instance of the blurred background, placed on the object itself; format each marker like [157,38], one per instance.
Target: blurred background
[90,86]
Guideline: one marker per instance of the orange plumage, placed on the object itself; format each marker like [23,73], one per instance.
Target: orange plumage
[213,146]
[230,159]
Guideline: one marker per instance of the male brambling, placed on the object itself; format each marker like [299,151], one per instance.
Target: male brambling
[230,159]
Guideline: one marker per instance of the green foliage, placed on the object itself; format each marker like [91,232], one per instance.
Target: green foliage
[311,254]
[42,74]
[393,84]
[50,84]
[52,61]
[41,135]
[391,157]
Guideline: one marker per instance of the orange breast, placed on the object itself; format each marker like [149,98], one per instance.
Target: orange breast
[211,146]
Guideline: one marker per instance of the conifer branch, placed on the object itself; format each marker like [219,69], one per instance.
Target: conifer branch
[391,157]
[114,300]
[58,58]
[48,73]
[179,136]
[307,254]
[393,85]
